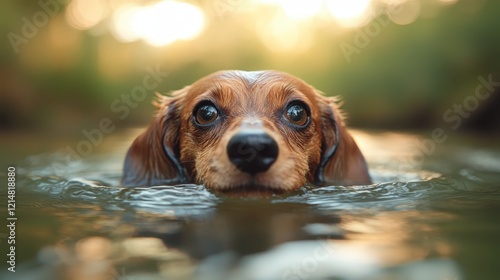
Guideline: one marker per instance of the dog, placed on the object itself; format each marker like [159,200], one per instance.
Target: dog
[239,131]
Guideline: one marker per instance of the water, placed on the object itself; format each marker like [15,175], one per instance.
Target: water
[436,220]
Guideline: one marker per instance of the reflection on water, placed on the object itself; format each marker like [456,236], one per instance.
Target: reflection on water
[436,221]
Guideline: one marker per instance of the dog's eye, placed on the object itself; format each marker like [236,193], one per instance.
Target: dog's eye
[206,114]
[297,114]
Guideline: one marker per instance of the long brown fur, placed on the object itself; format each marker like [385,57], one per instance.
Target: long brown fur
[174,150]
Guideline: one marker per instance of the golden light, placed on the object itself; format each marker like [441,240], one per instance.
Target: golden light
[350,13]
[300,9]
[159,24]
[169,21]
[122,26]
[447,2]
[282,34]
[407,11]
[85,14]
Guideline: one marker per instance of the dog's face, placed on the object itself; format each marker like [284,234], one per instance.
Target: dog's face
[250,130]
[262,131]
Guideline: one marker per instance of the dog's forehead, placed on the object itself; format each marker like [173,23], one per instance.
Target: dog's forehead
[252,90]
[249,77]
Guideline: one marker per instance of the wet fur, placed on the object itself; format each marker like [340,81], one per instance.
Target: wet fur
[174,150]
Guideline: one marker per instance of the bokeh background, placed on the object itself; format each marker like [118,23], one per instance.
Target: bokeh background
[398,64]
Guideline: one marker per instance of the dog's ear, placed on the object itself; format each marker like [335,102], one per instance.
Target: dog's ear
[153,158]
[341,160]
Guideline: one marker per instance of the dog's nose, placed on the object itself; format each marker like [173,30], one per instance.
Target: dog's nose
[252,152]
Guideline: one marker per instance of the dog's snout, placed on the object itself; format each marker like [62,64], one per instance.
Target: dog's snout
[252,152]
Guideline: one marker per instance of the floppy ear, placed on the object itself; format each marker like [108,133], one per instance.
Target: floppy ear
[153,158]
[341,160]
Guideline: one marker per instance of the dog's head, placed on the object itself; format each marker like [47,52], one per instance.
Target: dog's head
[263,131]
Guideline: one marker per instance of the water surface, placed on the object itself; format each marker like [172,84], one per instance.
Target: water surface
[436,219]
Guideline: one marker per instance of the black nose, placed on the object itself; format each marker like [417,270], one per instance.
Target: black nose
[252,152]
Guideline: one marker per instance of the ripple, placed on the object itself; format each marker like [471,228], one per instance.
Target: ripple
[93,183]
[191,200]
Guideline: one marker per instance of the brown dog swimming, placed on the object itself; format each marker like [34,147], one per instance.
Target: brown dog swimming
[238,131]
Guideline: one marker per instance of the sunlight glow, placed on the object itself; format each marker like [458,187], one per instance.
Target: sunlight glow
[122,24]
[408,11]
[282,34]
[300,9]
[350,13]
[447,2]
[160,24]
[84,14]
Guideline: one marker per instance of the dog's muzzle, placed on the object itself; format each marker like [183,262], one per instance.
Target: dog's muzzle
[252,151]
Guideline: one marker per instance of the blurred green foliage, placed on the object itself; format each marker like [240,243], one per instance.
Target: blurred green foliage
[406,77]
